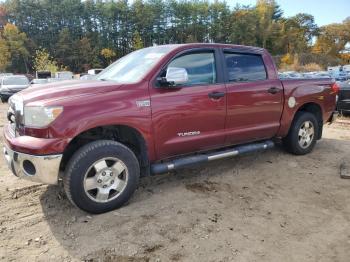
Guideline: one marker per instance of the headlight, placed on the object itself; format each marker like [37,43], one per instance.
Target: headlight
[39,116]
[16,103]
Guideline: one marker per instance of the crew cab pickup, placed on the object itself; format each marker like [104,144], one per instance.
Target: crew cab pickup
[158,109]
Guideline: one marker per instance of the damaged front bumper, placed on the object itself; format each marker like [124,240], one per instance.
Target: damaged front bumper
[41,169]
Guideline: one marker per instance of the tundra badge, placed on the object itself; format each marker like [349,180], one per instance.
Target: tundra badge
[192,133]
[143,103]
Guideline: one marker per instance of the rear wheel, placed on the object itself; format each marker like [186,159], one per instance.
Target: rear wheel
[101,176]
[303,134]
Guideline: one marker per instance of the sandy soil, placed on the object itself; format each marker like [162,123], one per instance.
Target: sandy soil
[262,207]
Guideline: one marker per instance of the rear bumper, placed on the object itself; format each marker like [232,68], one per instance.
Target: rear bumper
[41,169]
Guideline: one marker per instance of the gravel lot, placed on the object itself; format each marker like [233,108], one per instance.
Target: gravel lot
[262,207]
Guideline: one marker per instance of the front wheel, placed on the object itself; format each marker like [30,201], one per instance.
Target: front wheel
[303,134]
[101,176]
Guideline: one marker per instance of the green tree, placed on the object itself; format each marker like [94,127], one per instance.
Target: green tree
[243,26]
[137,41]
[333,39]
[219,22]
[298,32]
[3,20]
[108,54]
[43,62]
[87,56]
[75,31]
[66,50]
[16,43]
[5,55]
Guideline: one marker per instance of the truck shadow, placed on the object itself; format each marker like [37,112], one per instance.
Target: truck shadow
[78,231]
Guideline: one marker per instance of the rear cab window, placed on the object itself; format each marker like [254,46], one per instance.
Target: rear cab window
[243,67]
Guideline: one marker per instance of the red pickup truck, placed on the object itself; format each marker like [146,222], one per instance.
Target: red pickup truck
[158,109]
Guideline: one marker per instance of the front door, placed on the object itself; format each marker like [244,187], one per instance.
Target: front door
[190,117]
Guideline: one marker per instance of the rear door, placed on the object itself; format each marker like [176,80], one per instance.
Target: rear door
[190,117]
[254,102]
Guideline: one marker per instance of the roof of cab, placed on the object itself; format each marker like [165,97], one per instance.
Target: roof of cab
[218,45]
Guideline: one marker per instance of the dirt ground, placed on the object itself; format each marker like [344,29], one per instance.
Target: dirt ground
[262,207]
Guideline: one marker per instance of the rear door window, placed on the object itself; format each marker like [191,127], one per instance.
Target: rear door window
[245,67]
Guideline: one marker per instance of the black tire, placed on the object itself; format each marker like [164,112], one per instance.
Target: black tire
[291,141]
[83,161]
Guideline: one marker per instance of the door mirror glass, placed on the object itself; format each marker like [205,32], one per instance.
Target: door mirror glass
[176,75]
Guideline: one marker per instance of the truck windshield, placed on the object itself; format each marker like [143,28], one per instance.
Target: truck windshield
[134,66]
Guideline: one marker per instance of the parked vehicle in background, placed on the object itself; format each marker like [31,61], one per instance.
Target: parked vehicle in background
[42,74]
[346,68]
[5,74]
[12,84]
[64,75]
[95,71]
[309,75]
[323,74]
[159,109]
[38,81]
[343,105]
[333,69]
[87,77]
[282,75]
[293,75]
[91,74]
[340,76]
[304,75]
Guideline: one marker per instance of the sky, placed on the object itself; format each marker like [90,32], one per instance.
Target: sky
[324,11]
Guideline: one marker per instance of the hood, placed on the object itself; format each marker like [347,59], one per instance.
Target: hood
[63,90]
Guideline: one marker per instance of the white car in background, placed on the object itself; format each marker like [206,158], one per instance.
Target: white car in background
[12,84]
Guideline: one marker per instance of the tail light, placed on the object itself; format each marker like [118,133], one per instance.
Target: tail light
[335,88]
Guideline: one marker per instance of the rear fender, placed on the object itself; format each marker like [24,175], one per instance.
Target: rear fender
[296,99]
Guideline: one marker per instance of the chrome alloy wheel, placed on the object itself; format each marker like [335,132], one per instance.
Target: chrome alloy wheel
[306,134]
[106,179]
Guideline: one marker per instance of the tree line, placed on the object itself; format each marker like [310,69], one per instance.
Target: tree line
[79,35]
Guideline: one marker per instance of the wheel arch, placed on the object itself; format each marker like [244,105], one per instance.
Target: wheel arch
[124,134]
[316,110]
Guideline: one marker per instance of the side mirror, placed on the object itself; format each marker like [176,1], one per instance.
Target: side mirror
[176,76]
